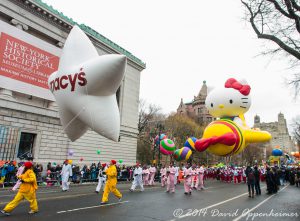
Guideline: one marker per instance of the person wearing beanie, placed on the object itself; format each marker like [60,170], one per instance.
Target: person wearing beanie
[111,182]
[27,190]
[20,172]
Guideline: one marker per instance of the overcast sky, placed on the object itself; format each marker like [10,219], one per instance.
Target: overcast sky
[186,42]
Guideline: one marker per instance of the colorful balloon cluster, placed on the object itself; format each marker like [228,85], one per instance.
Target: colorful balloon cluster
[167,147]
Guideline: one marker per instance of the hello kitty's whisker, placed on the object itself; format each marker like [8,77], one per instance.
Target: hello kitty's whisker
[242,107]
[245,102]
[244,98]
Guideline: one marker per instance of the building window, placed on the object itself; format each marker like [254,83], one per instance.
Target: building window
[26,145]
[9,137]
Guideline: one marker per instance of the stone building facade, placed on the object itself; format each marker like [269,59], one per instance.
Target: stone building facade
[31,124]
[279,132]
[196,109]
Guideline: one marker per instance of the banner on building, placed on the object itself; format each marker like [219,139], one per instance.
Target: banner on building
[26,62]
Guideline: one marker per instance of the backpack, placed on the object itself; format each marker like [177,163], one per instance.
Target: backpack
[251,176]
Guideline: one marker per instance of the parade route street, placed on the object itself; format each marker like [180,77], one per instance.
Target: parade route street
[219,201]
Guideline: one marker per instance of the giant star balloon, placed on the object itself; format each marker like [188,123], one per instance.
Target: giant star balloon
[85,86]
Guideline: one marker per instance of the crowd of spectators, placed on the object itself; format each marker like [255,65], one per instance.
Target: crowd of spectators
[89,173]
[51,174]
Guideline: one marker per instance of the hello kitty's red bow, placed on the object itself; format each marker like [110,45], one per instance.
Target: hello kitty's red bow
[242,88]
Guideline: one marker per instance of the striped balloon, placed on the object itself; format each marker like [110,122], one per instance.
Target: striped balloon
[183,153]
[190,143]
[167,147]
[176,155]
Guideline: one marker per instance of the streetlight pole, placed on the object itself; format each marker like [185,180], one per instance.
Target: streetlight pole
[159,132]
[160,127]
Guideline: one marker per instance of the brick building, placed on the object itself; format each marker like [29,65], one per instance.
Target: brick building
[196,108]
[279,131]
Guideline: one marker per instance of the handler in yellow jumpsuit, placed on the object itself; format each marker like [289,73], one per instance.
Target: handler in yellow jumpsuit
[111,183]
[27,190]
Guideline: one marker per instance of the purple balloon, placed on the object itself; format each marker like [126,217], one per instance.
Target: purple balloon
[70,152]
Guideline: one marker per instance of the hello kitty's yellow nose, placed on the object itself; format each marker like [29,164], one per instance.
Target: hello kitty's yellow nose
[221,105]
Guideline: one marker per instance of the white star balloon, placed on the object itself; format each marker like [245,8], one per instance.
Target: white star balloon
[85,86]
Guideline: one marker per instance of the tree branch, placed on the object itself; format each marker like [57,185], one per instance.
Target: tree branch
[273,38]
[295,5]
[293,14]
[279,8]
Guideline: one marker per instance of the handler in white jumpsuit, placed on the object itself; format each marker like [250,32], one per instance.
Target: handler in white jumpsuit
[101,178]
[137,178]
[66,172]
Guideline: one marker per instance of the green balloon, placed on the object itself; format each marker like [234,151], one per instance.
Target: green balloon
[98,151]
[120,161]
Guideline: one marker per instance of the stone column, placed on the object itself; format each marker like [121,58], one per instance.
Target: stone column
[5,93]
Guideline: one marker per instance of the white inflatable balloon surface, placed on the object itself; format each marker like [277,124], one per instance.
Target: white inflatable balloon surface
[85,86]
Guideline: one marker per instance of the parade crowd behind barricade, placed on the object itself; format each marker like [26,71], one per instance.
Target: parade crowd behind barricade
[8,171]
[51,174]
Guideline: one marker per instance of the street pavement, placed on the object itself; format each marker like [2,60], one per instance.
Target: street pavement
[219,201]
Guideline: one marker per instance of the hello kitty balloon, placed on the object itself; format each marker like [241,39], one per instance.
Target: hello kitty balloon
[229,134]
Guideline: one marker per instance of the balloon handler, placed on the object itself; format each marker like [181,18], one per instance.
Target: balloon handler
[111,183]
[27,190]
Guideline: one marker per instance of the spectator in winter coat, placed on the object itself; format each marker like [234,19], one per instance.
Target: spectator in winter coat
[250,181]
[257,181]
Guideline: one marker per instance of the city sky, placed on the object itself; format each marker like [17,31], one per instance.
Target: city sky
[186,42]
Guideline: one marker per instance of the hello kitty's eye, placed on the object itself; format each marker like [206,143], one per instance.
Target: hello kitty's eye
[212,105]
[230,101]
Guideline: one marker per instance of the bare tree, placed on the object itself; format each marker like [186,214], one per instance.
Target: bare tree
[296,130]
[181,127]
[278,21]
[253,153]
[146,113]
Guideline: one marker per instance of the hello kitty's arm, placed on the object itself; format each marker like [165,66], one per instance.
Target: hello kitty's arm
[240,120]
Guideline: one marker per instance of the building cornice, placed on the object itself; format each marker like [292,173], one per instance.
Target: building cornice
[59,20]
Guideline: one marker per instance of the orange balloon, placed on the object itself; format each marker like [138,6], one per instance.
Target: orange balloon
[297,154]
